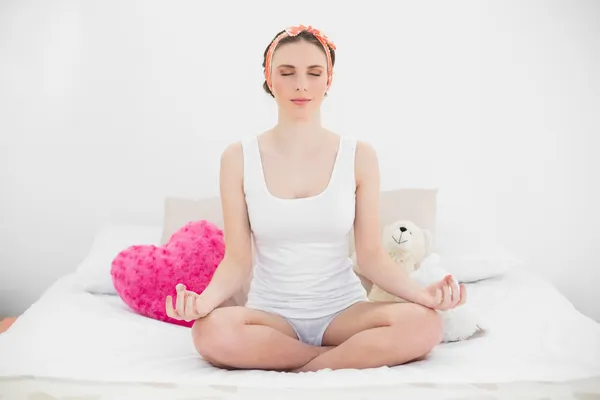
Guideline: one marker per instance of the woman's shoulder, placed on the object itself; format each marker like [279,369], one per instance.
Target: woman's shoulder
[363,150]
[366,162]
[232,151]
[235,150]
[359,145]
[232,157]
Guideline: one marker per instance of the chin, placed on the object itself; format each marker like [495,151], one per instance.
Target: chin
[301,112]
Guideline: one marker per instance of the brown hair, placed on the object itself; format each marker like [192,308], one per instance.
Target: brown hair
[306,36]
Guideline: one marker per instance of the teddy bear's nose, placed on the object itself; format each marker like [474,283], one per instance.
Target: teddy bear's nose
[402,229]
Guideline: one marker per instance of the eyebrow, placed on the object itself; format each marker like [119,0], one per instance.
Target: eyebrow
[291,66]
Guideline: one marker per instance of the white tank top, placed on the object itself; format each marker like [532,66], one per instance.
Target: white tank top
[302,268]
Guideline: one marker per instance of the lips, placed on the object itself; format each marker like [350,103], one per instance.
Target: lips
[300,101]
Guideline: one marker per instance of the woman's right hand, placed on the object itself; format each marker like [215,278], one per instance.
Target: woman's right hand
[189,305]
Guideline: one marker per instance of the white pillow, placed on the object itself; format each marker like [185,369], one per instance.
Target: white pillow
[474,267]
[94,271]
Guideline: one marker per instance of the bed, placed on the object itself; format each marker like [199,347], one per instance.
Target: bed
[77,343]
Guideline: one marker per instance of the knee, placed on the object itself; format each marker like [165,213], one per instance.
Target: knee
[216,336]
[432,326]
[424,324]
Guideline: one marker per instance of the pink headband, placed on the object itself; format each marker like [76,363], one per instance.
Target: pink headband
[293,31]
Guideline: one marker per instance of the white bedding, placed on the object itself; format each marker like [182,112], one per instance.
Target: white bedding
[534,334]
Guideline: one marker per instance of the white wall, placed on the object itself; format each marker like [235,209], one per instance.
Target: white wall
[108,107]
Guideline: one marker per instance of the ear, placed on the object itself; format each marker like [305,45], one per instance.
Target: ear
[428,242]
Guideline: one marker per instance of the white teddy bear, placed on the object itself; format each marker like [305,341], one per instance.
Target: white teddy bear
[412,250]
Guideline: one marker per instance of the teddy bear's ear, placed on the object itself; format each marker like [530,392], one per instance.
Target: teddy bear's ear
[428,241]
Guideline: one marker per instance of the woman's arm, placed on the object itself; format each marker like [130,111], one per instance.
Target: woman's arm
[234,269]
[373,261]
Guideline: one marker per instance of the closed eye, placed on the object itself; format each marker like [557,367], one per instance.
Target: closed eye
[292,74]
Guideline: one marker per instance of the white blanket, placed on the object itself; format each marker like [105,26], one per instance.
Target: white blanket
[534,334]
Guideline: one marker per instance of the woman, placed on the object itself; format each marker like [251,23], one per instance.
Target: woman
[297,190]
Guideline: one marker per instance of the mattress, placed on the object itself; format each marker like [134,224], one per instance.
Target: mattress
[73,343]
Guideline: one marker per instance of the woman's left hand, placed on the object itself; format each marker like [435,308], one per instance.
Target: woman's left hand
[445,294]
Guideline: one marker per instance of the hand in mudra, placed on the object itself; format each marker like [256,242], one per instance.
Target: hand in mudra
[446,294]
[189,305]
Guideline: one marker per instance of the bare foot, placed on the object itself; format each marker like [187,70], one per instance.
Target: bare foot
[322,349]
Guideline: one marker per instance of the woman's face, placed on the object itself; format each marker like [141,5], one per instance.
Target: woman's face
[299,77]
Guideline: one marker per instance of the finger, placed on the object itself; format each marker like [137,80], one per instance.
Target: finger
[190,308]
[182,287]
[463,294]
[180,302]
[441,283]
[455,291]
[447,297]
[447,280]
[171,313]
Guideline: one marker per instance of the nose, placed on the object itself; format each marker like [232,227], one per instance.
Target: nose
[402,229]
[301,82]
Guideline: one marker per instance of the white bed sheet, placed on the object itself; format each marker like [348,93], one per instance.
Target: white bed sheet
[534,333]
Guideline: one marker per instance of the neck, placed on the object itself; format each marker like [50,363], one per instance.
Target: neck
[298,132]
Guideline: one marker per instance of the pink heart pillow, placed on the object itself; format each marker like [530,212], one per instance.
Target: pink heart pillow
[144,275]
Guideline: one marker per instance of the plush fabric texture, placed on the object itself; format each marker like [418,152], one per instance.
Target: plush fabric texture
[144,275]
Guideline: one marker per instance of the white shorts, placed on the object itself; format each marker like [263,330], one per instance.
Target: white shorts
[311,330]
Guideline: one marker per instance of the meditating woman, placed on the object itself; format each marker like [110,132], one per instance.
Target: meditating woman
[297,190]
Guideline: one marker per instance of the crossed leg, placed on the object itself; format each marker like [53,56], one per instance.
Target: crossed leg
[370,335]
[366,335]
[244,338]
